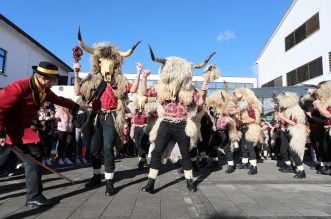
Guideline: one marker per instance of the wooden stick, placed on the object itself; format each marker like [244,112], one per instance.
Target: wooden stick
[27,156]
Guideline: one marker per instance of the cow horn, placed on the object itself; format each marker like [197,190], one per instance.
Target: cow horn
[130,51]
[163,61]
[82,44]
[202,64]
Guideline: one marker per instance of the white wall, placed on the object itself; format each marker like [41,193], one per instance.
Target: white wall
[21,55]
[274,61]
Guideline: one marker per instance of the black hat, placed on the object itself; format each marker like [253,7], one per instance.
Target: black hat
[47,69]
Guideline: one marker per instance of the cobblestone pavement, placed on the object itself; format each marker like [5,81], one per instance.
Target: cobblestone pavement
[270,193]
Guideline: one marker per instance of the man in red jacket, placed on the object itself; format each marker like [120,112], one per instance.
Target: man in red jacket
[19,105]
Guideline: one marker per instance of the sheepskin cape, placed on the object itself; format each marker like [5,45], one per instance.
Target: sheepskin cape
[289,104]
[250,100]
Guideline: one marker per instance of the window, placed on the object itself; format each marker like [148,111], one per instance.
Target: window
[249,85]
[62,80]
[305,72]
[72,81]
[278,82]
[3,54]
[302,32]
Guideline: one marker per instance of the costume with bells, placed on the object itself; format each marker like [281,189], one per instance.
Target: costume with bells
[106,88]
[293,138]
[178,103]
[249,108]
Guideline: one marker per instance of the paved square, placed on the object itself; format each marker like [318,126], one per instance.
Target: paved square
[270,193]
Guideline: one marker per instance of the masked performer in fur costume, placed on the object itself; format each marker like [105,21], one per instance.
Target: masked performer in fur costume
[322,105]
[143,118]
[178,104]
[249,109]
[316,127]
[106,88]
[294,136]
[226,133]
[210,73]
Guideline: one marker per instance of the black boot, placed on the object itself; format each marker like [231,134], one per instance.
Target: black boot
[195,166]
[322,168]
[231,169]
[326,171]
[94,181]
[109,187]
[190,185]
[142,164]
[244,166]
[286,169]
[252,170]
[149,187]
[300,175]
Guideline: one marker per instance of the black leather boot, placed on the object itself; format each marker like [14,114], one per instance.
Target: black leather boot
[110,187]
[190,185]
[252,170]
[140,165]
[231,169]
[94,181]
[244,166]
[286,169]
[149,187]
[326,171]
[300,174]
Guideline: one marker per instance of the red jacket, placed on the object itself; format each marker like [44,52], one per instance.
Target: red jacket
[19,105]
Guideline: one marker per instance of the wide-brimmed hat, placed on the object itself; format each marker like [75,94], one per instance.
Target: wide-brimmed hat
[47,69]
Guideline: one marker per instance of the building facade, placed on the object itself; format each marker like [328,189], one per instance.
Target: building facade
[299,50]
[19,51]
[226,83]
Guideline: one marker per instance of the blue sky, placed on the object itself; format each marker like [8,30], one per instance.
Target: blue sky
[191,29]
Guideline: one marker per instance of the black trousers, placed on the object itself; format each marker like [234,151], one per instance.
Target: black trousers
[33,182]
[247,148]
[175,131]
[325,145]
[221,140]
[286,150]
[46,142]
[141,141]
[103,137]
[316,139]
[64,149]
[284,146]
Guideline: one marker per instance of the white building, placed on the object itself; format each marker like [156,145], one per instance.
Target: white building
[227,83]
[19,51]
[299,50]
